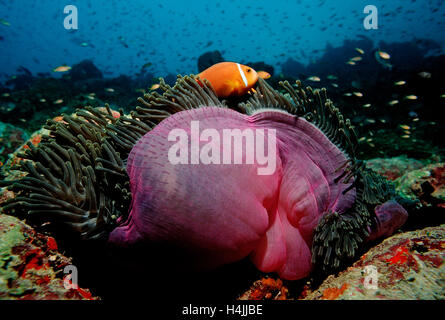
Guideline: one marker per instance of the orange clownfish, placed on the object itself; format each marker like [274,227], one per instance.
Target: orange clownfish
[230,78]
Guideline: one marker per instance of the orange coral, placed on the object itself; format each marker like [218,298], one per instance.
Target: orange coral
[268,288]
[334,293]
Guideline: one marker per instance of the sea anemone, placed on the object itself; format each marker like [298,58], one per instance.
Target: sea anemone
[77,177]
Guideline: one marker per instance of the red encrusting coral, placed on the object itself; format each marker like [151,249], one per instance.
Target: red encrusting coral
[34,269]
[408,266]
[333,293]
[266,289]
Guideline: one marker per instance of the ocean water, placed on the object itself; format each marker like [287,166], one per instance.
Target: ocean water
[382,63]
[121,36]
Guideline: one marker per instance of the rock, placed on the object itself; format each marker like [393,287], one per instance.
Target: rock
[11,138]
[409,265]
[261,66]
[30,266]
[393,168]
[84,70]
[293,68]
[208,59]
[426,184]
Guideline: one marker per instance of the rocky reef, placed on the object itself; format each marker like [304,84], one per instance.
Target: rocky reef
[408,265]
[31,267]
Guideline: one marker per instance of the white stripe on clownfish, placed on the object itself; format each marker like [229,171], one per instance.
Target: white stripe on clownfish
[242,74]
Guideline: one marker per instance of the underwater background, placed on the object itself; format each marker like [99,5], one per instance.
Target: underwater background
[389,81]
[120,49]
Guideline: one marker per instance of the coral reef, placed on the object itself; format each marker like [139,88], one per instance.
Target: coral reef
[393,168]
[377,123]
[409,266]
[266,289]
[29,106]
[78,168]
[84,70]
[11,138]
[426,184]
[31,268]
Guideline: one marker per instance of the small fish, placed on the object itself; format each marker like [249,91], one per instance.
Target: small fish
[347,94]
[43,100]
[370,120]
[351,63]
[366,105]
[263,74]
[383,55]
[415,119]
[5,23]
[361,139]
[424,74]
[358,94]
[141,90]
[5,95]
[146,65]
[314,78]
[442,95]
[355,59]
[230,78]
[155,86]
[331,77]
[405,136]
[399,83]
[109,89]
[404,126]
[58,101]
[411,97]
[393,102]
[382,58]
[335,85]
[84,44]
[359,50]
[382,120]
[63,68]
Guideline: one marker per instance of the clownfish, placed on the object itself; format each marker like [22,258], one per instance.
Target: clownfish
[230,78]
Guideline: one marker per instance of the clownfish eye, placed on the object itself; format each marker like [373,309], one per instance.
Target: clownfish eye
[248,70]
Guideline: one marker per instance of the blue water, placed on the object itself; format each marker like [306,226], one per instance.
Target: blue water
[121,36]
